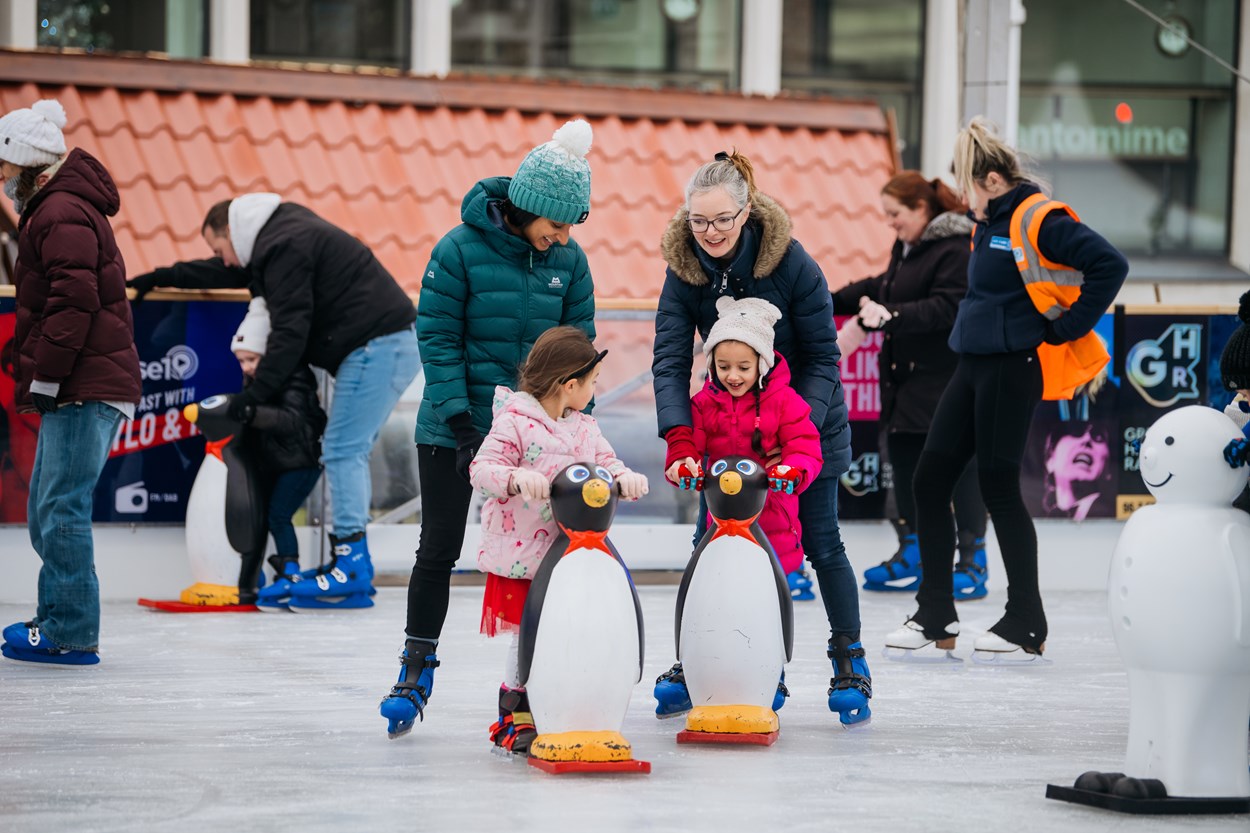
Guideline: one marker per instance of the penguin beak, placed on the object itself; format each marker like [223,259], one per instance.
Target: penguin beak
[731,483]
[596,493]
[191,412]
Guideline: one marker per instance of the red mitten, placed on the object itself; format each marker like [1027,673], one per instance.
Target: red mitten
[785,479]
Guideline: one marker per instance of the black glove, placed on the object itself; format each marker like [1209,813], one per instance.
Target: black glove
[1051,336]
[145,283]
[468,441]
[44,404]
[242,407]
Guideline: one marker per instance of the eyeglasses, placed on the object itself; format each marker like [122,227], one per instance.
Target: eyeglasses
[699,224]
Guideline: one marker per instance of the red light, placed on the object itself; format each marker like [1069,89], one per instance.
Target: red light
[1123,113]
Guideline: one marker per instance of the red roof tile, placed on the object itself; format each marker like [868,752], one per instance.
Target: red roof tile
[394,174]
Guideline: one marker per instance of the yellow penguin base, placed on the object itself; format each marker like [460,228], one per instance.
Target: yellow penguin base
[210,595]
[731,724]
[584,752]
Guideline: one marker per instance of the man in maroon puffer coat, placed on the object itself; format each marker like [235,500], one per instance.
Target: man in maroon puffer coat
[75,364]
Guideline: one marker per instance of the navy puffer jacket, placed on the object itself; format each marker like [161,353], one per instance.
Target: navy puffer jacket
[769,264]
[73,320]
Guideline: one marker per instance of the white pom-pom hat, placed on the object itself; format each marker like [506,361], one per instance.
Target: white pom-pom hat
[554,178]
[749,320]
[33,137]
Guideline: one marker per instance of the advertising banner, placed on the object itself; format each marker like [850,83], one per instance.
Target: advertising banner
[184,356]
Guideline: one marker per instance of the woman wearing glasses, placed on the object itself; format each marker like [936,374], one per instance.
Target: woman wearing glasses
[730,239]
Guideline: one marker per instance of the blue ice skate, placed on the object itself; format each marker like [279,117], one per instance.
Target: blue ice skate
[277,595]
[23,641]
[348,583]
[409,695]
[800,587]
[851,686]
[900,573]
[672,698]
[971,573]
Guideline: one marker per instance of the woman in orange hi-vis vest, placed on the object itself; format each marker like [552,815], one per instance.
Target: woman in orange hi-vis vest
[1038,282]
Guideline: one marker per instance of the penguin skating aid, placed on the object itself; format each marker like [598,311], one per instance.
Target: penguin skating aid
[581,635]
[734,618]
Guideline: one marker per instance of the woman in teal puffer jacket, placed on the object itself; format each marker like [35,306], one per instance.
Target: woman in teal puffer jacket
[495,283]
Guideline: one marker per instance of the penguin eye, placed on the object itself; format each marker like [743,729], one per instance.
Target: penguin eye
[1169,440]
[719,467]
[212,402]
[746,467]
[578,474]
[603,474]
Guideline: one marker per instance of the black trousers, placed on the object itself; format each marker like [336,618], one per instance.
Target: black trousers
[445,498]
[970,518]
[985,411]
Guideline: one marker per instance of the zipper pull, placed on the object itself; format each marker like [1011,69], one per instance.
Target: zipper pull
[724,281]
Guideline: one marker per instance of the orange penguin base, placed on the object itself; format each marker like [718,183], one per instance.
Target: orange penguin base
[584,752]
[731,724]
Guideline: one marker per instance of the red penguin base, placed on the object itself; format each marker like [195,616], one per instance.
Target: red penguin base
[565,767]
[754,738]
[175,606]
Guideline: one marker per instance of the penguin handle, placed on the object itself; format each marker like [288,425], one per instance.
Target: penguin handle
[690,480]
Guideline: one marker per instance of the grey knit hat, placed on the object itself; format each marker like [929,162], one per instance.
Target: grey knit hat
[554,178]
[32,137]
[749,320]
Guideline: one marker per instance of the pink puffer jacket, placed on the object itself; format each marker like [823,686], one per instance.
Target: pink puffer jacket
[723,425]
[515,533]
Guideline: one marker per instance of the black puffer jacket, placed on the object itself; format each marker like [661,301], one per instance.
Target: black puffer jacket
[286,433]
[327,293]
[922,289]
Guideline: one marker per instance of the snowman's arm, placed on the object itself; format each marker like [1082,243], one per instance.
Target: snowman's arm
[1235,543]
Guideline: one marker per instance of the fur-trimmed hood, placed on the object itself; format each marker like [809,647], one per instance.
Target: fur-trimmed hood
[678,244]
[947,224]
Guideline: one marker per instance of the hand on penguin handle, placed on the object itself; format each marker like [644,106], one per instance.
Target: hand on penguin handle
[785,479]
[530,485]
[690,478]
[1237,452]
[631,485]
[242,407]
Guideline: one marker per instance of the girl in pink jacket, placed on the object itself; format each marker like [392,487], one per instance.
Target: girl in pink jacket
[537,430]
[748,408]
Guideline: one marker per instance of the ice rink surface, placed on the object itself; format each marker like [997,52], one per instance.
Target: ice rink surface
[269,722]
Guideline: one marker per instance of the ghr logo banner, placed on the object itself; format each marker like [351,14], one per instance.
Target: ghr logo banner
[1163,370]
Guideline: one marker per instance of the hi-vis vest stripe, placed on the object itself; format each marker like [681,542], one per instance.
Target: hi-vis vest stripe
[1054,288]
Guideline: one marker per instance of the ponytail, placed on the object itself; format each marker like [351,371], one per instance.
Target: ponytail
[732,171]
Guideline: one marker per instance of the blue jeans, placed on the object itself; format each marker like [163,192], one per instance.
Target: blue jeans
[824,550]
[290,489]
[366,387]
[73,446]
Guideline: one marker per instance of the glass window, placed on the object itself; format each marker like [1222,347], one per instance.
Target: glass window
[859,48]
[1135,130]
[175,27]
[368,32]
[691,43]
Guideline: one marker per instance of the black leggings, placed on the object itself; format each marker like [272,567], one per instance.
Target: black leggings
[445,499]
[986,410]
[905,451]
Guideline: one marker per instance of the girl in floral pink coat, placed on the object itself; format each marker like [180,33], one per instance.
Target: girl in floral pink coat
[748,408]
[537,430]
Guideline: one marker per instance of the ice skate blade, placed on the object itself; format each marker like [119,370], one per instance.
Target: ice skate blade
[926,655]
[324,604]
[504,755]
[1010,659]
[276,608]
[855,722]
[399,731]
[671,715]
[893,588]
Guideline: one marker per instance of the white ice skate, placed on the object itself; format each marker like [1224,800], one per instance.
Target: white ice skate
[910,644]
[992,649]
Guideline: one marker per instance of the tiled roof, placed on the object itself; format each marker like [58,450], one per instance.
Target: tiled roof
[394,175]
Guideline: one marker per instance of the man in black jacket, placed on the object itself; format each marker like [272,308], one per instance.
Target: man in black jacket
[334,306]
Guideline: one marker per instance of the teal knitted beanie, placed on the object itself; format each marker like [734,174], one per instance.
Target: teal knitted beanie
[554,178]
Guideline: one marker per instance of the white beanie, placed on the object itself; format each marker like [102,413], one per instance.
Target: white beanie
[253,333]
[749,320]
[30,138]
